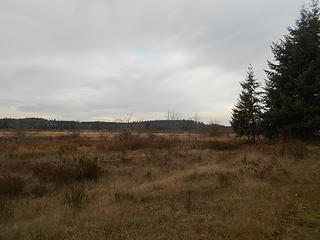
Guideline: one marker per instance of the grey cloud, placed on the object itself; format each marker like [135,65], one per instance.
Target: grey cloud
[94,59]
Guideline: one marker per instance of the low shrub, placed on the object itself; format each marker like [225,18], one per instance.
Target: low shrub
[225,179]
[38,234]
[214,130]
[66,149]
[122,136]
[263,169]
[80,167]
[101,146]
[135,143]
[120,196]
[297,149]
[11,185]
[163,142]
[5,210]
[188,202]
[75,197]
[222,145]
[127,141]
[39,190]
[286,147]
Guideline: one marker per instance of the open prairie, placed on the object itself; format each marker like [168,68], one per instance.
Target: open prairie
[123,185]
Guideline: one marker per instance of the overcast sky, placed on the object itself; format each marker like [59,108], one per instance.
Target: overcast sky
[107,59]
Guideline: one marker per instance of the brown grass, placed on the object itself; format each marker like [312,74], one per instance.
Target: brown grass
[156,186]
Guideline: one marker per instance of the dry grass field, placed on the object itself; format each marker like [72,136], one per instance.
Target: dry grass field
[99,185]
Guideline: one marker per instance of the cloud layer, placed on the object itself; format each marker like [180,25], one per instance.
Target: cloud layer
[101,60]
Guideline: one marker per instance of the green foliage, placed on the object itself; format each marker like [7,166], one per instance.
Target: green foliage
[246,116]
[292,93]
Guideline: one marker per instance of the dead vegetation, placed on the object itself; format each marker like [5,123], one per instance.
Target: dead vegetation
[157,186]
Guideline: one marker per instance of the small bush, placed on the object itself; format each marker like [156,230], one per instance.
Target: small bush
[286,147]
[101,146]
[66,149]
[127,141]
[124,196]
[5,210]
[148,175]
[89,170]
[225,179]
[263,169]
[163,142]
[75,133]
[39,190]
[37,235]
[222,145]
[297,149]
[75,197]
[195,177]
[80,167]
[11,186]
[188,202]
[123,136]
[214,130]
[19,132]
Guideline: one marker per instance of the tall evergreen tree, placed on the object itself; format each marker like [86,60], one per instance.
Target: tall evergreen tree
[292,92]
[246,115]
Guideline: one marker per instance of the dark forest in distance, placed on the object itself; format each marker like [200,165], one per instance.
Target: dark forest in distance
[155,125]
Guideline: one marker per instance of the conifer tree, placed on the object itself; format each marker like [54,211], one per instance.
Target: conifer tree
[246,115]
[292,92]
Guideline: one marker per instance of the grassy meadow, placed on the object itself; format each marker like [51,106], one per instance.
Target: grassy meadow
[100,185]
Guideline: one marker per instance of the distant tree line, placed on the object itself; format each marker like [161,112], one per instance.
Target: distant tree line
[289,103]
[157,125]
